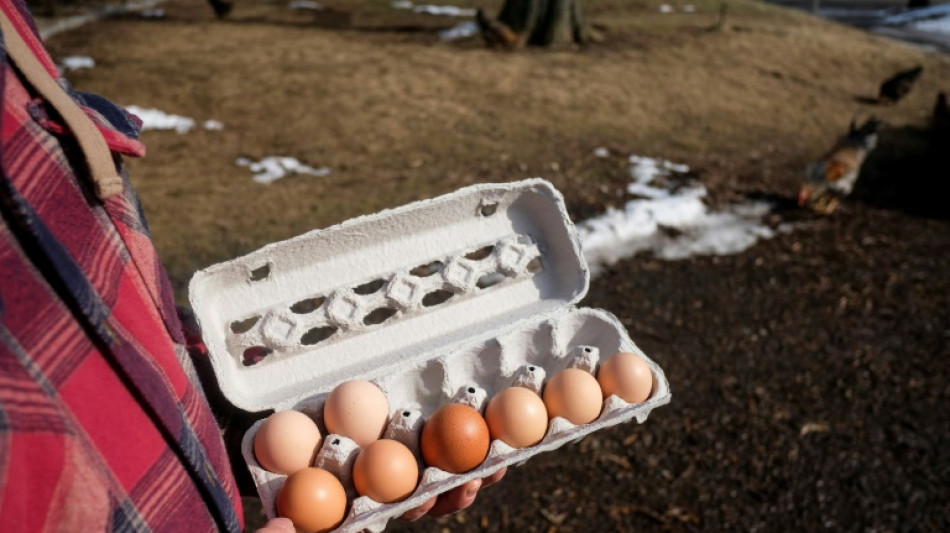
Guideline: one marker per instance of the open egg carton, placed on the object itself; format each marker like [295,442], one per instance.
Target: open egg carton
[444,300]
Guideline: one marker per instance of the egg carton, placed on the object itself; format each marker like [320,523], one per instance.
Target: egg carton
[444,300]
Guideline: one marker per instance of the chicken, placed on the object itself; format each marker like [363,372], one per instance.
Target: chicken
[833,177]
[898,85]
[941,119]
[497,34]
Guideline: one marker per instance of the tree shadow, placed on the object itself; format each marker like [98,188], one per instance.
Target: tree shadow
[909,171]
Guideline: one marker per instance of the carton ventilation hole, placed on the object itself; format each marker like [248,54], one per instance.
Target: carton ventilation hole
[471,390]
[406,414]
[307,306]
[317,335]
[260,273]
[370,288]
[428,269]
[336,442]
[243,326]
[488,210]
[587,349]
[530,369]
[535,266]
[255,354]
[378,316]
[481,253]
[489,280]
[436,297]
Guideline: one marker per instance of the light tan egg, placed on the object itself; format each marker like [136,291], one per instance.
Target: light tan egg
[313,499]
[386,471]
[574,395]
[357,409]
[455,438]
[286,442]
[626,375]
[517,416]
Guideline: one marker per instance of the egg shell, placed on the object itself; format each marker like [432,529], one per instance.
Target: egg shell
[574,395]
[313,499]
[626,375]
[386,471]
[517,416]
[357,409]
[286,442]
[455,438]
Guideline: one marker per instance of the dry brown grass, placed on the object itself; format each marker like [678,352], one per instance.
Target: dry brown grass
[399,116]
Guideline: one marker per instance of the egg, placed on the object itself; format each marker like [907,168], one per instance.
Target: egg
[313,499]
[286,442]
[517,416]
[386,471]
[574,395]
[455,438]
[357,409]
[626,375]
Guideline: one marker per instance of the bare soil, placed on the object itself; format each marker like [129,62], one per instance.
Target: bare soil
[809,374]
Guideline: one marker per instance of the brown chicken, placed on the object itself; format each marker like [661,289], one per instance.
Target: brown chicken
[833,177]
[898,85]
[497,34]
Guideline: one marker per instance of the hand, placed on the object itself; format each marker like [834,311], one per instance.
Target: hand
[454,500]
[278,525]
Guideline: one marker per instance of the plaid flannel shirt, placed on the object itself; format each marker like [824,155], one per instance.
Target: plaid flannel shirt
[102,426]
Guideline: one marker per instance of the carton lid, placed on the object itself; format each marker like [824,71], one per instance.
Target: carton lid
[386,291]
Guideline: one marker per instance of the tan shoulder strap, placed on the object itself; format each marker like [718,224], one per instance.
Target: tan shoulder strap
[98,156]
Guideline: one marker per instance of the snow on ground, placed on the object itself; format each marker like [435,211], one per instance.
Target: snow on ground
[669,219]
[76,63]
[271,169]
[304,4]
[445,11]
[153,119]
[460,31]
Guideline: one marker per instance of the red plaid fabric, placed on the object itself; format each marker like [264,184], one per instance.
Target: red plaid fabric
[102,427]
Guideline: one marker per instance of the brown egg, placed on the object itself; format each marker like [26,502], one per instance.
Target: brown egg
[313,499]
[357,409]
[574,395]
[517,417]
[455,438]
[626,375]
[286,442]
[386,471]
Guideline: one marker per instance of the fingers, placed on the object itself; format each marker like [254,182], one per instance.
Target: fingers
[414,514]
[494,478]
[278,525]
[456,499]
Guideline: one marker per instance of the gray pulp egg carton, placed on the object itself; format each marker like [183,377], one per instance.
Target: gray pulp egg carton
[442,300]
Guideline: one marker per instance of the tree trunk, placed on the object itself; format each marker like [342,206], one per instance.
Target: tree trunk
[546,22]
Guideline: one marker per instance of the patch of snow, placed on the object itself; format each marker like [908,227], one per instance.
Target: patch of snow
[689,8]
[271,169]
[460,31]
[666,8]
[212,125]
[76,63]
[934,25]
[304,4]
[601,152]
[153,119]
[916,15]
[445,11]
[670,220]
[154,13]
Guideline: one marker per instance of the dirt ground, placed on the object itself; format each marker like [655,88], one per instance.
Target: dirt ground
[809,374]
